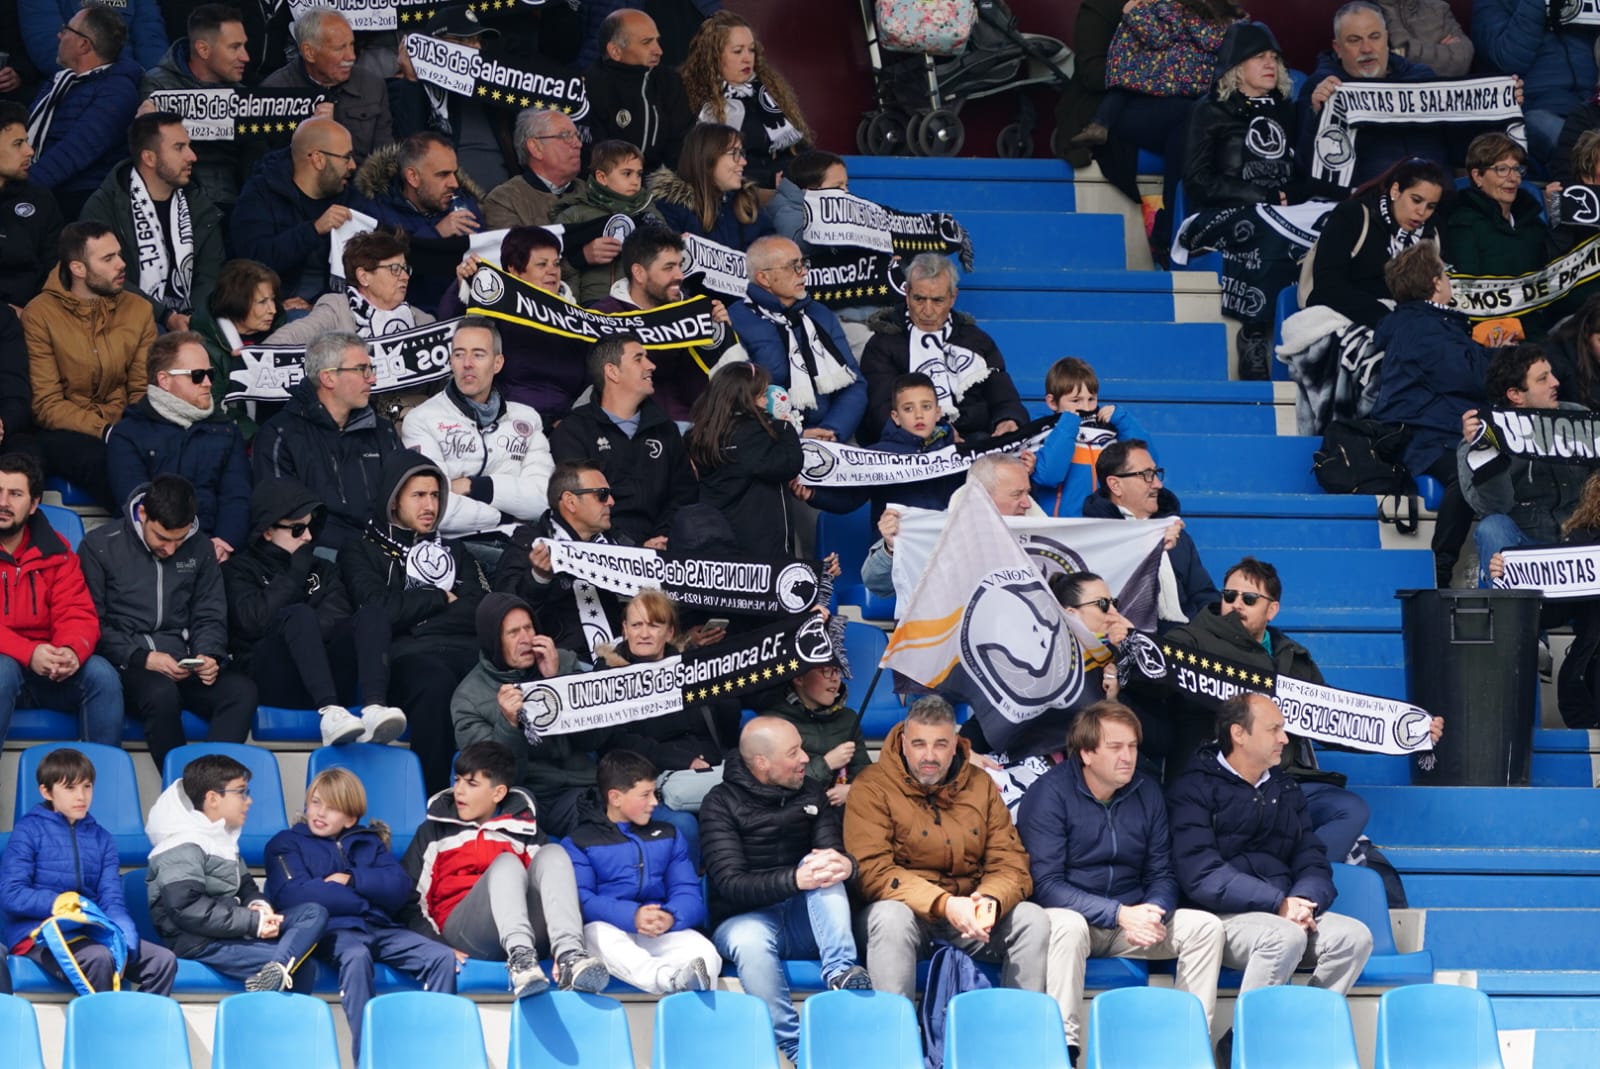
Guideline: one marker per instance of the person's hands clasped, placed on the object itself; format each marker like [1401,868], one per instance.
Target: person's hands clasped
[1143,924]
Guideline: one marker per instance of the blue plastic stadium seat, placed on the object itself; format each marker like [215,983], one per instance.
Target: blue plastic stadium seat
[1278,1026]
[67,524]
[569,1028]
[273,723]
[71,493]
[850,535]
[127,1029]
[1436,1026]
[266,817]
[422,1030]
[863,647]
[44,725]
[19,1034]
[1361,896]
[392,776]
[115,806]
[859,1030]
[695,1029]
[272,1030]
[1100,974]
[1287,305]
[1156,1026]
[1002,1028]
[1431,491]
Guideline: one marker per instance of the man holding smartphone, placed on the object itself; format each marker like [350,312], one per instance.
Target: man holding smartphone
[157,587]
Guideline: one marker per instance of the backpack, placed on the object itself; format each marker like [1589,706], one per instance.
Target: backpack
[1308,265]
[950,972]
[1363,456]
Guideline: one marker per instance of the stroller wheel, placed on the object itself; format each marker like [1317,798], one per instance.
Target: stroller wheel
[862,145]
[1012,144]
[885,134]
[940,133]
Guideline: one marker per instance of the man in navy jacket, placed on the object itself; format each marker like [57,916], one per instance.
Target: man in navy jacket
[1096,833]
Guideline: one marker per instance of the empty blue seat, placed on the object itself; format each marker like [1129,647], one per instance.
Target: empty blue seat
[272,1030]
[1436,1026]
[19,1034]
[29,725]
[1206,261]
[1431,491]
[1156,1026]
[864,646]
[392,776]
[569,1028]
[115,806]
[1293,1027]
[859,1030]
[266,817]
[67,524]
[695,1029]
[1002,1028]
[422,1030]
[71,493]
[1288,304]
[1362,896]
[851,535]
[127,1029]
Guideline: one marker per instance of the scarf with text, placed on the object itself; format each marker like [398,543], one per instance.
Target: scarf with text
[465,71]
[1560,572]
[265,118]
[777,587]
[751,109]
[683,324]
[402,361]
[836,464]
[427,559]
[1564,13]
[816,366]
[1470,100]
[360,14]
[168,281]
[375,322]
[954,369]
[1261,247]
[1486,297]
[591,613]
[1569,436]
[858,247]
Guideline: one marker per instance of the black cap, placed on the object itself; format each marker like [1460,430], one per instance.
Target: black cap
[1242,41]
[459,22]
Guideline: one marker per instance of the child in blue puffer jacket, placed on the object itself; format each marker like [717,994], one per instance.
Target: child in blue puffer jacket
[332,859]
[1063,472]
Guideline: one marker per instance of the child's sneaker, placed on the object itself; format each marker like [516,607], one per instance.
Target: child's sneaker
[339,726]
[692,977]
[381,723]
[274,976]
[526,977]
[577,971]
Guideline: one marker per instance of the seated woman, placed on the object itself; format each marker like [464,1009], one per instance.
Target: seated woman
[1432,373]
[373,303]
[1574,351]
[707,195]
[1493,228]
[243,309]
[728,80]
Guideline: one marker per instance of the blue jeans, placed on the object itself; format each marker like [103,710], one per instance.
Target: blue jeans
[811,924]
[1495,532]
[412,953]
[94,692]
[297,938]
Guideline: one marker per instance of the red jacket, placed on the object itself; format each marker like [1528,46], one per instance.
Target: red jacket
[43,597]
[449,855]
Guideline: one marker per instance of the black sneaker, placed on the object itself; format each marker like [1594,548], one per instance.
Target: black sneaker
[854,978]
[522,967]
[577,971]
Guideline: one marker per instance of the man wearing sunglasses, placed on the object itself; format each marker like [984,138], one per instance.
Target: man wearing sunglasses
[176,429]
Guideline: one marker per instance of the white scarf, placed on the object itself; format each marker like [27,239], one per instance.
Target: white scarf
[44,112]
[591,614]
[170,283]
[954,369]
[831,375]
[230,334]
[429,562]
[175,409]
[374,322]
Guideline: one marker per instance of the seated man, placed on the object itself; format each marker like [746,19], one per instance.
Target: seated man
[214,55]
[776,866]
[176,429]
[551,153]
[328,436]
[630,439]
[158,589]
[961,880]
[1244,850]
[28,209]
[632,97]
[47,638]
[87,338]
[415,187]
[1095,829]
[975,392]
[327,62]
[493,450]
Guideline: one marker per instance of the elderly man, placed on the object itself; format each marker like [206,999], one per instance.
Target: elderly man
[632,97]
[776,865]
[166,223]
[1557,62]
[550,150]
[799,342]
[213,56]
[416,187]
[969,375]
[327,62]
[30,221]
[292,203]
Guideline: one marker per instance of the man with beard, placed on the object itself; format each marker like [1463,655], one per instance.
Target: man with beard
[327,61]
[167,226]
[175,429]
[415,187]
[292,203]
[215,55]
[30,221]
[87,340]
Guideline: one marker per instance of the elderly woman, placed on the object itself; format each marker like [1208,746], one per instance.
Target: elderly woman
[1493,228]
[244,308]
[373,303]
[969,375]
[728,80]
[707,195]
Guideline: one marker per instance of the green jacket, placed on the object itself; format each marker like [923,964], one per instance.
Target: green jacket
[823,729]
[579,205]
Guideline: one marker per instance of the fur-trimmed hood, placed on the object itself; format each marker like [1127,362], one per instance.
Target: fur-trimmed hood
[666,184]
[375,179]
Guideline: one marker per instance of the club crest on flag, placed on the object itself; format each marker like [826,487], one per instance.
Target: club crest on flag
[1014,647]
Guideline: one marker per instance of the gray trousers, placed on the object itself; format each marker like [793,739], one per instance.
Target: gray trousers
[512,907]
[1269,949]
[896,938]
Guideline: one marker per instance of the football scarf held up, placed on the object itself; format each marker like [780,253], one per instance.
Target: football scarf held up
[258,116]
[836,464]
[765,587]
[1561,573]
[402,361]
[1356,104]
[1568,436]
[857,247]
[500,295]
[1485,297]
[463,70]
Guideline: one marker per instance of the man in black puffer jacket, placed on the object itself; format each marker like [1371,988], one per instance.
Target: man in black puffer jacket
[774,855]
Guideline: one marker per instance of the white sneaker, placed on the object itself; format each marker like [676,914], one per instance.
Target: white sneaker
[381,723]
[339,725]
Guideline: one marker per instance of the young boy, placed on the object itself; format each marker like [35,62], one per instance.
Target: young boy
[204,901]
[1063,472]
[490,882]
[830,731]
[916,425]
[640,895]
[57,849]
[617,188]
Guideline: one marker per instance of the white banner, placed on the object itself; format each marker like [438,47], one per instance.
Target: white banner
[1488,297]
[584,700]
[834,217]
[360,14]
[1353,104]
[1359,721]
[726,271]
[833,464]
[1561,572]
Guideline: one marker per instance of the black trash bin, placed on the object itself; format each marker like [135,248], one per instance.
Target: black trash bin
[1472,658]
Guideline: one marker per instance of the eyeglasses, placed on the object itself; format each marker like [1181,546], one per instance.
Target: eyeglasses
[242,792]
[569,136]
[397,270]
[1505,170]
[195,375]
[1103,604]
[366,371]
[799,267]
[295,529]
[336,155]
[736,153]
[601,494]
[1149,475]
[1250,598]
[75,33]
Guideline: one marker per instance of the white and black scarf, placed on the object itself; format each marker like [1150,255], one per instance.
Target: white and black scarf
[591,613]
[428,560]
[44,112]
[816,367]
[954,369]
[374,322]
[170,283]
[767,131]
[1400,239]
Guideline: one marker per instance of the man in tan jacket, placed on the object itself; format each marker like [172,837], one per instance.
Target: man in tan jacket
[87,338]
[938,857]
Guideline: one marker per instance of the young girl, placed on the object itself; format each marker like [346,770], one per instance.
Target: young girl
[331,858]
[708,195]
[745,457]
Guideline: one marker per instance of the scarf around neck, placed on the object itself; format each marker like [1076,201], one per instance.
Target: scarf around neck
[170,282]
[767,130]
[44,112]
[374,322]
[954,369]
[615,203]
[592,616]
[171,407]
[427,559]
[816,367]
[1400,239]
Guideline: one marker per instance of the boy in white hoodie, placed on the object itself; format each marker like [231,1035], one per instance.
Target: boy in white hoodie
[204,901]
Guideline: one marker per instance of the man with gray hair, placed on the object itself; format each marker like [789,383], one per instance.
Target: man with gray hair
[327,61]
[550,150]
[973,388]
[328,436]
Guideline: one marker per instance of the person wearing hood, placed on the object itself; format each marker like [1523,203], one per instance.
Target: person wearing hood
[939,857]
[326,62]
[214,55]
[176,428]
[373,303]
[558,771]
[203,900]
[616,189]
[830,731]
[329,437]
[294,627]
[429,588]
[158,589]
[706,194]
[632,96]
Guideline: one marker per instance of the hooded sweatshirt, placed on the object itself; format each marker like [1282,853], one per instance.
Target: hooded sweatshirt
[199,888]
[449,855]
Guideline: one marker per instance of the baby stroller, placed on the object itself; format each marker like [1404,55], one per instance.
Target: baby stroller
[919,94]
